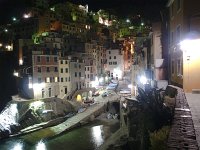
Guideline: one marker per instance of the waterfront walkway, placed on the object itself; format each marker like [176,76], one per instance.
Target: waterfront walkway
[62,127]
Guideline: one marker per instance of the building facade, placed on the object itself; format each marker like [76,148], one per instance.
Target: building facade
[181,22]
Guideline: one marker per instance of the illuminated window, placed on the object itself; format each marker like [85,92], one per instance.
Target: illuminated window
[55,79]
[47,80]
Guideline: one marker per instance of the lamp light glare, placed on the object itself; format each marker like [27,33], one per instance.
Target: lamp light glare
[143,79]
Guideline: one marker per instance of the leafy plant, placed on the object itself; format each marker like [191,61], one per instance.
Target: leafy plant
[159,138]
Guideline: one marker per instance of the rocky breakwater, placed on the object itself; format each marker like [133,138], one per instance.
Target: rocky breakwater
[21,117]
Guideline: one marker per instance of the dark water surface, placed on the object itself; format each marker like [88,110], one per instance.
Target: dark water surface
[88,137]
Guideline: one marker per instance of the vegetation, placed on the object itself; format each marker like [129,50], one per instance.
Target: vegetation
[158,138]
[148,120]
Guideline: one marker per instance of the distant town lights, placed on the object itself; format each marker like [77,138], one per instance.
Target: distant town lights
[128,20]
[26,16]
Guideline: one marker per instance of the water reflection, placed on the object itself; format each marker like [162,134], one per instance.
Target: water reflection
[18,146]
[40,146]
[88,137]
[97,135]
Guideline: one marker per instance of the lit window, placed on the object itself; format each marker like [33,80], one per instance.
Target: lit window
[55,79]
[47,80]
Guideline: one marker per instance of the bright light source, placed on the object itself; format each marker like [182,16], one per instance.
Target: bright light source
[117,72]
[38,86]
[26,16]
[14,19]
[1,44]
[6,30]
[16,74]
[101,79]
[128,20]
[20,62]
[9,47]
[143,79]
[190,45]
[130,86]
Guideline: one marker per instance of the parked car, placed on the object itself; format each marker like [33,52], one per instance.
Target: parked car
[95,93]
[105,94]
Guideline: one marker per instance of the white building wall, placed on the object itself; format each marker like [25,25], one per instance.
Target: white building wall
[115,63]
[77,74]
[64,77]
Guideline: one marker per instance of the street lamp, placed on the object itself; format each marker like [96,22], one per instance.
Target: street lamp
[191,62]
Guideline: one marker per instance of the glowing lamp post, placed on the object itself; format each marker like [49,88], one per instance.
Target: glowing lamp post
[191,64]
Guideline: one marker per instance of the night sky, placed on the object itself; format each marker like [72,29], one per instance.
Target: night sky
[124,8]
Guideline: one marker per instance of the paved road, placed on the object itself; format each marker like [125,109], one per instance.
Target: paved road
[194,104]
